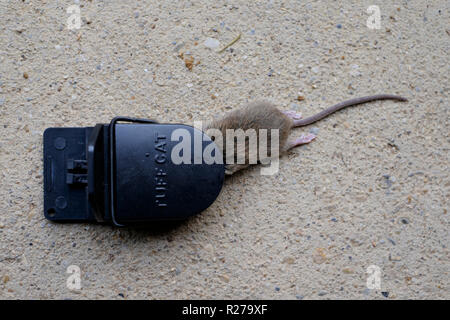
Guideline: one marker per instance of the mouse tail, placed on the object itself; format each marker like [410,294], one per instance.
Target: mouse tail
[345,104]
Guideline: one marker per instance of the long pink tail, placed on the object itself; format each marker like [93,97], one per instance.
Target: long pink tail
[345,104]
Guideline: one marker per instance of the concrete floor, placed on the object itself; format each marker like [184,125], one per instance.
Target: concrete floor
[373,189]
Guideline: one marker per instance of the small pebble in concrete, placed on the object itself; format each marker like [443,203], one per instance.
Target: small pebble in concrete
[212,43]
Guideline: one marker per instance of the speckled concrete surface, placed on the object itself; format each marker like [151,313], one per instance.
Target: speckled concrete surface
[373,189]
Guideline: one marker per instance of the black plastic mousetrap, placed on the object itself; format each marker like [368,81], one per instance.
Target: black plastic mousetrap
[122,173]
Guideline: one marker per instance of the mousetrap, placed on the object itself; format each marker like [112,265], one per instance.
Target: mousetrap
[122,173]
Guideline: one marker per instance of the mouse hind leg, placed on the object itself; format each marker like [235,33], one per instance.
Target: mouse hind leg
[304,139]
[232,168]
[294,115]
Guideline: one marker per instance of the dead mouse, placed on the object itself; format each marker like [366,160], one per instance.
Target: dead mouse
[264,115]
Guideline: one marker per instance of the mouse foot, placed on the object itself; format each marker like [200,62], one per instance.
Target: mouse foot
[293,114]
[302,140]
[232,168]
